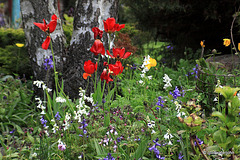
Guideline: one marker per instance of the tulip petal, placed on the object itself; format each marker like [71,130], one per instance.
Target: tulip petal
[126,55]
[52,26]
[46,43]
[110,54]
[42,26]
[85,75]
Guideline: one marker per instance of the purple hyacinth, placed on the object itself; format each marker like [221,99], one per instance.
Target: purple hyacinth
[43,121]
[176,93]
[48,63]
[195,71]
[180,156]
[57,116]
[155,150]
[200,142]
[160,102]
[109,157]
[11,132]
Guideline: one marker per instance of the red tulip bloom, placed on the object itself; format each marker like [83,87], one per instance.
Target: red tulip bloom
[89,68]
[111,26]
[97,48]
[116,68]
[106,76]
[97,33]
[48,28]
[119,53]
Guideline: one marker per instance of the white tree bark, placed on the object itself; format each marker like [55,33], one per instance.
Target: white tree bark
[36,11]
[88,14]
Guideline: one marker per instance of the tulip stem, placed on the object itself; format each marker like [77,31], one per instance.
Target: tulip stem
[54,67]
[95,85]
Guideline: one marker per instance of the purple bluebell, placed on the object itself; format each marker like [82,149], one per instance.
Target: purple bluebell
[195,71]
[57,116]
[103,100]
[155,150]
[48,63]
[109,157]
[160,102]
[11,132]
[134,67]
[180,156]
[200,142]
[176,93]
[43,121]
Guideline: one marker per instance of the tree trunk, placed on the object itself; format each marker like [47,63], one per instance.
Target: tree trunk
[36,11]
[88,14]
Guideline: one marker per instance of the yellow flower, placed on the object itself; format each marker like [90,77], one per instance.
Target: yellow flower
[202,44]
[226,42]
[19,45]
[239,46]
[151,63]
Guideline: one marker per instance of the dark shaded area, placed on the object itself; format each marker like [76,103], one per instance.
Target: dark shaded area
[184,22]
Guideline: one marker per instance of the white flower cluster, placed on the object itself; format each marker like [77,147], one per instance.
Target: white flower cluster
[81,108]
[146,61]
[67,119]
[60,99]
[151,125]
[145,69]
[167,81]
[168,136]
[40,84]
[61,145]
[178,108]
[219,84]
[55,127]
[40,105]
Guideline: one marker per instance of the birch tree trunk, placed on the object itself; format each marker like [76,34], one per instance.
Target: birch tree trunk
[36,11]
[88,14]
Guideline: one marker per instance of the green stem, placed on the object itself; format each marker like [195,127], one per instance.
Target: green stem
[54,67]
[95,84]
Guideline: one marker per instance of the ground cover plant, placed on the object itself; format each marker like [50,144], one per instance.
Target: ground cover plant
[137,111]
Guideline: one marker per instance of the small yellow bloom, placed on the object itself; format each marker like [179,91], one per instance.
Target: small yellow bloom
[239,46]
[226,42]
[19,45]
[202,44]
[152,63]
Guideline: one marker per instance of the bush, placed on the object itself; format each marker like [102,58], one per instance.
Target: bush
[13,60]
[11,36]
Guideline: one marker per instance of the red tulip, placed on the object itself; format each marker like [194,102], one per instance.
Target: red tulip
[106,76]
[89,68]
[97,48]
[111,26]
[48,28]
[97,33]
[116,68]
[119,53]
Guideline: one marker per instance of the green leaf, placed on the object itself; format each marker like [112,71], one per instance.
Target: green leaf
[220,136]
[219,115]
[30,137]
[235,129]
[141,149]
[100,150]
[19,129]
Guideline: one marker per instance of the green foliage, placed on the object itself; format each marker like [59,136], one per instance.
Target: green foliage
[15,105]
[68,27]
[13,60]
[10,36]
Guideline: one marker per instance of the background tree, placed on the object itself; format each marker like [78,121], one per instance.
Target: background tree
[88,14]
[183,22]
[36,11]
